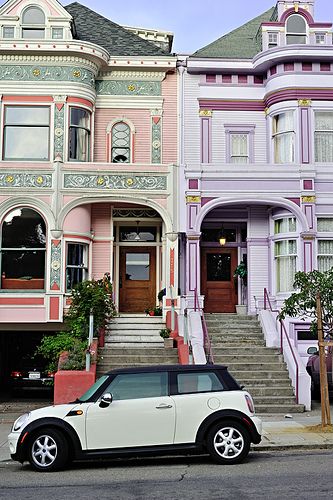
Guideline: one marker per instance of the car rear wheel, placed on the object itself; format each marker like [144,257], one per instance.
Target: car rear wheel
[228,442]
[48,450]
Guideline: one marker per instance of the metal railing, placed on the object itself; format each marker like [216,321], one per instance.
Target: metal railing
[207,341]
[283,333]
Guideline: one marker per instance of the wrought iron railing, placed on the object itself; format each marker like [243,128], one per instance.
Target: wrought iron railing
[283,334]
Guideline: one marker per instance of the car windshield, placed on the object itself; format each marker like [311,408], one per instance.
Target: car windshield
[87,395]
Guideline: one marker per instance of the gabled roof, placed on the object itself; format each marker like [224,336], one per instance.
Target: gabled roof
[241,43]
[92,27]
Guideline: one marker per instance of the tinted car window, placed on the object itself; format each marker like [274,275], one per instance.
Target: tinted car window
[138,385]
[198,382]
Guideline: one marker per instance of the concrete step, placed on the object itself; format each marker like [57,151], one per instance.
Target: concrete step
[258,391]
[249,383]
[135,359]
[245,350]
[118,327]
[129,339]
[267,409]
[274,400]
[261,375]
[235,367]
[138,350]
[226,359]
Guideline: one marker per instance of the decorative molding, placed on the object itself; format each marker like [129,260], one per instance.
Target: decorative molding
[36,73]
[59,130]
[308,199]
[129,102]
[205,112]
[55,266]
[156,112]
[112,181]
[193,199]
[53,60]
[304,102]
[143,213]
[156,138]
[128,87]
[132,75]
[25,180]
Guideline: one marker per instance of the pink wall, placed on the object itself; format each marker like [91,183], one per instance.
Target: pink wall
[170,131]
[100,223]
[78,220]
[141,120]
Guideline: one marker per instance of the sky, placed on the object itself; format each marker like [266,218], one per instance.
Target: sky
[195,23]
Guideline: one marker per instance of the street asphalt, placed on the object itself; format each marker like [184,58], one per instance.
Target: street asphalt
[280,432]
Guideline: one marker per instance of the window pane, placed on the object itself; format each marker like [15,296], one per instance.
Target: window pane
[120,138]
[286,225]
[78,144]
[23,227]
[75,254]
[296,24]
[25,264]
[74,276]
[8,31]
[198,382]
[28,143]
[138,234]
[284,148]
[325,255]
[218,267]
[324,224]
[284,122]
[27,115]
[296,39]
[138,386]
[137,266]
[33,33]
[33,15]
[57,33]
[80,118]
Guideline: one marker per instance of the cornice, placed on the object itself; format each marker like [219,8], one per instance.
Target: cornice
[132,75]
[48,59]
[131,101]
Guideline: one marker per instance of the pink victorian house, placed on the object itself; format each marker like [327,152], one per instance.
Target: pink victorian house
[88,177]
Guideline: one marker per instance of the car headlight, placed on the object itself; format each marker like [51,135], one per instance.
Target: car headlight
[21,421]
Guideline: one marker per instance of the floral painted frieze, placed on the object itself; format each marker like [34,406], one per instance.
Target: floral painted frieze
[156,137]
[25,180]
[30,73]
[128,87]
[59,128]
[107,182]
[55,267]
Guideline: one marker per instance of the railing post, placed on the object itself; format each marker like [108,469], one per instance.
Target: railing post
[265,304]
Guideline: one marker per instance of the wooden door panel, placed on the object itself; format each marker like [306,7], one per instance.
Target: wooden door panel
[137,279]
[217,282]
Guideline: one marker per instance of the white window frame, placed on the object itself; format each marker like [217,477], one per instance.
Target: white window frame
[325,255]
[320,38]
[287,132]
[84,267]
[328,132]
[272,39]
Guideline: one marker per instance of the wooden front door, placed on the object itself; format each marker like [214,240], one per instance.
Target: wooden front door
[217,282]
[137,280]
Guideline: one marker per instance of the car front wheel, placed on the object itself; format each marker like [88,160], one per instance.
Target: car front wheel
[228,443]
[48,450]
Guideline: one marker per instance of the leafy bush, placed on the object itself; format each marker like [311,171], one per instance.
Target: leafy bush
[165,333]
[94,296]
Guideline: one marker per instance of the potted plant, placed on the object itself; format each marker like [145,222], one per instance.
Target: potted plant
[165,334]
[241,273]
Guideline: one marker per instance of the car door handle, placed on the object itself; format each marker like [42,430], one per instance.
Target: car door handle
[163,407]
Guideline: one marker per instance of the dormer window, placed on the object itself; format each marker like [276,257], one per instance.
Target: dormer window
[57,33]
[272,40]
[320,38]
[296,29]
[33,23]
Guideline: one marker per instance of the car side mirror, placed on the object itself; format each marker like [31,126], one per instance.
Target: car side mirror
[106,400]
[312,350]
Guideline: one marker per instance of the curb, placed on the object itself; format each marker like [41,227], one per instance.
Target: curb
[288,447]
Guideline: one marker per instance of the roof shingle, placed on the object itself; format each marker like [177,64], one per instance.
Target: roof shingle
[241,43]
[92,27]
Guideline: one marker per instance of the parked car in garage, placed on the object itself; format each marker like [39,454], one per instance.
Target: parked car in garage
[154,410]
[31,373]
[313,370]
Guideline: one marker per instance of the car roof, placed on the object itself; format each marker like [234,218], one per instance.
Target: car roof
[166,368]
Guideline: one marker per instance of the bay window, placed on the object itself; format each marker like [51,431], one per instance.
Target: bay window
[26,133]
[325,255]
[23,246]
[79,135]
[284,137]
[324,136]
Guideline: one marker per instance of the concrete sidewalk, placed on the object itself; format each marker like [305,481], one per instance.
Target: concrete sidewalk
[280,432]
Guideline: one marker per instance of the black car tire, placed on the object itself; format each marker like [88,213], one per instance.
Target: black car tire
[48,450]
[228,442]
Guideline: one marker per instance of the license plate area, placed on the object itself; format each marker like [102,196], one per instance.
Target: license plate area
[34,375]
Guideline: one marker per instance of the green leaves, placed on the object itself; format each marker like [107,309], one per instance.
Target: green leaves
[303,302]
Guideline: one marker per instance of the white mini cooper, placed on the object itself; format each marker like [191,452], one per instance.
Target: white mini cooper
[148,410]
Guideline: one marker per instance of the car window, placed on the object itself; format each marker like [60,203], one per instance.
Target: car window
[138,385]
[198,382]
[91,391]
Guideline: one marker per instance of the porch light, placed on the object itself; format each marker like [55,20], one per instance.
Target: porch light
[222,237]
